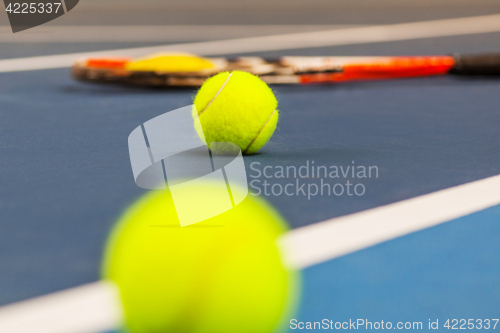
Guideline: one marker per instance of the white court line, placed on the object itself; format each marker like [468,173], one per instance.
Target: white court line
[151,33]
[361,35]
[95,307]
[92,308]
[313,244]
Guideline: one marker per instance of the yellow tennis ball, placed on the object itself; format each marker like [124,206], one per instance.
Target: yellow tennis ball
[236,107]
[222,275]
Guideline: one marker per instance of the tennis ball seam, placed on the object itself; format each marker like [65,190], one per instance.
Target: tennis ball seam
[244,151]
[217,94]
[260,131]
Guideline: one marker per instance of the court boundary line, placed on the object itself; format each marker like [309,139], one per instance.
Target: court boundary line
[154,33]
[316,243]
[336,37]
[90,308]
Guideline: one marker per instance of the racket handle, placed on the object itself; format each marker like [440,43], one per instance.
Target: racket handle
[484,64]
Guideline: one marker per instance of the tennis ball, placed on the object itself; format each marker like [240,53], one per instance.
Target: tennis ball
[222,275]
[236,107]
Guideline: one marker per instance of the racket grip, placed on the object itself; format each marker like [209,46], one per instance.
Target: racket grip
[484,64]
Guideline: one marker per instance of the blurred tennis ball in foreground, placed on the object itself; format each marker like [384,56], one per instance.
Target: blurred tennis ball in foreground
[221,275]
[236,107]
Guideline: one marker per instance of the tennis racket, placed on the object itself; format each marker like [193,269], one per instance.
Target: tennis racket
[294,70]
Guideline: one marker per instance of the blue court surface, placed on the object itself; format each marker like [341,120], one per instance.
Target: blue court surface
[65,175]
[442,273]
